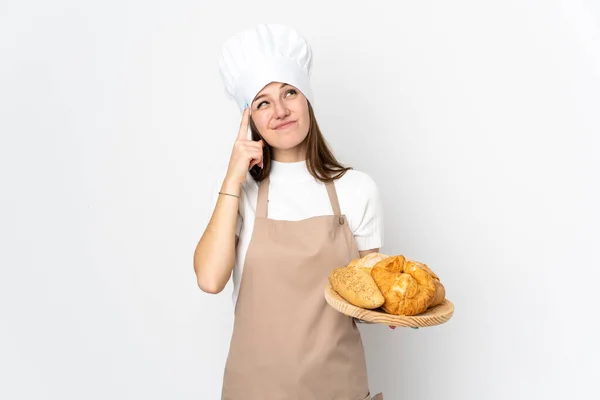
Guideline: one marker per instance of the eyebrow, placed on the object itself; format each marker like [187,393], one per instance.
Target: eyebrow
[263,95]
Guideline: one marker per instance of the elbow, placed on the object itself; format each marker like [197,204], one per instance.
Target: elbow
[209,275]
[209,282]
[210,287]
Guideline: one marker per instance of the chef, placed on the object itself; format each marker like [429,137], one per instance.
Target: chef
[286,213]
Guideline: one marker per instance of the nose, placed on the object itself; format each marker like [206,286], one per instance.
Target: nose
[280,110]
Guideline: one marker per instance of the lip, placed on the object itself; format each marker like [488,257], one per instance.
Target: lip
[284,125]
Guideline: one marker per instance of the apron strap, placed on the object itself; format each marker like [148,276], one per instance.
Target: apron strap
[333,198]
[263,198]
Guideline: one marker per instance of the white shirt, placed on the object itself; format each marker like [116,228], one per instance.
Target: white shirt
[294,194]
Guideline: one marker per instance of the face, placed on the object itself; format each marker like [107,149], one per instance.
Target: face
[280,113]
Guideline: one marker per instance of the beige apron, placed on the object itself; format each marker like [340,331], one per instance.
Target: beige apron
[287,342]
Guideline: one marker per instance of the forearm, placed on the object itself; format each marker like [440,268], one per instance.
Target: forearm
[215,253]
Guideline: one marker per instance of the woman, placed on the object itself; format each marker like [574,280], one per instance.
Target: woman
[286,214]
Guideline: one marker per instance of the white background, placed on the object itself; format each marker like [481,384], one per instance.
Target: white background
[478,120]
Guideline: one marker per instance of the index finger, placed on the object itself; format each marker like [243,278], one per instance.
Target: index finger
[244,124]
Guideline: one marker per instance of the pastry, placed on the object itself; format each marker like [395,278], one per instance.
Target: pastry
[407,286]
[356,286]
[440,291]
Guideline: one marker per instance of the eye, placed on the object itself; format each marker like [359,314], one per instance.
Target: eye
[260,104]
[291,91]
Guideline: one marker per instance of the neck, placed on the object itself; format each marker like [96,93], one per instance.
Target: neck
[295,154]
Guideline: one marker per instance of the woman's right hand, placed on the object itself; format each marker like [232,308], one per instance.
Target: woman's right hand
[246,153]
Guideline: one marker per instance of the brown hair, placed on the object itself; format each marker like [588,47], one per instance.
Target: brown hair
[320,161]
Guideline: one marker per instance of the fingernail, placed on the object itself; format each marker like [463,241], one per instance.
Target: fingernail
[245,105]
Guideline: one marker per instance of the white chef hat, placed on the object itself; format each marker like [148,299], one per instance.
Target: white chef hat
[266,53]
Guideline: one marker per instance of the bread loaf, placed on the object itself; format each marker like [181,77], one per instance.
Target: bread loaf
[407,286]
[356,286]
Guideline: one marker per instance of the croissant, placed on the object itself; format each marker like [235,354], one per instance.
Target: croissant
[408,286]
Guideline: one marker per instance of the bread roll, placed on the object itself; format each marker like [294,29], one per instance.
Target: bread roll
[367,262]
[440,293]
[357,287]
[408,287]
[440,290]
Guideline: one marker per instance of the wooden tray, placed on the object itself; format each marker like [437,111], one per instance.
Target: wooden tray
[434,316]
